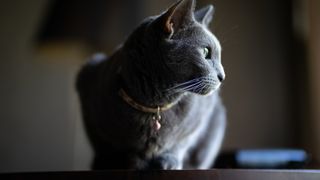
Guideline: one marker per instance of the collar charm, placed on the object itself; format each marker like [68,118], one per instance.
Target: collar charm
[156,118]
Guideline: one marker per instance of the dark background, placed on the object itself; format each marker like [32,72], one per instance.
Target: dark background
[269,54]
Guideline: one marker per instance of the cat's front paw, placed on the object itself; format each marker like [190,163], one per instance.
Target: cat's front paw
[167,161]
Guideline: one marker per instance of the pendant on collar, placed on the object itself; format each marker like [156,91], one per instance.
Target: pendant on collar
[155,123]
[156,120]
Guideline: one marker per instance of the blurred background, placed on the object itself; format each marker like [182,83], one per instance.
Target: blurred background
[271,55]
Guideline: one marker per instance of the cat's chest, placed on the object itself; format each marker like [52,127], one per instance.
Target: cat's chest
[178,125]
[137,130]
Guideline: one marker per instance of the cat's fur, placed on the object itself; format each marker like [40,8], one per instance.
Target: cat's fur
[161,62]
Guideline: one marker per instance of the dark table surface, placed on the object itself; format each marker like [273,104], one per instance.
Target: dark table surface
[219,174]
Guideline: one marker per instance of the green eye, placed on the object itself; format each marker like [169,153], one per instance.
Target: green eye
[206,53]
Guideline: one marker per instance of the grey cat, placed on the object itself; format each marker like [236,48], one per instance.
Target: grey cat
[154,104]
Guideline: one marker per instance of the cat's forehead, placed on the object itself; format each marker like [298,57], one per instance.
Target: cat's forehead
[201,36]
[215,42]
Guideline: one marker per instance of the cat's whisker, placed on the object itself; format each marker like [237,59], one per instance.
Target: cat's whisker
[187,88]
[196,87]
[205,86]
[190,86]
[201,87]
[184,83]
[181,90]
[178,85]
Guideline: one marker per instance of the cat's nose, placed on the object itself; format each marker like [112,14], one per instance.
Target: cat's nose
[221,77]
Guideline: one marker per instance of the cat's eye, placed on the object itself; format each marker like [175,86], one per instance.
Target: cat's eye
[206,53]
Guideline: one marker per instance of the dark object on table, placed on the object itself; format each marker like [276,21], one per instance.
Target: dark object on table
[263,159]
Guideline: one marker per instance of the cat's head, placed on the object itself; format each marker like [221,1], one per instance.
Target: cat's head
[176,51]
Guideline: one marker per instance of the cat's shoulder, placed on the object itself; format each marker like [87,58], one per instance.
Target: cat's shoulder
[97,59]
[89,70]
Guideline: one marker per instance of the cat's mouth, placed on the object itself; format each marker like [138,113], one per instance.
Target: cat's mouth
[203,86]
[207,86]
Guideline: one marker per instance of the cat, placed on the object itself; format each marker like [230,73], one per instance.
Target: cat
[154,103]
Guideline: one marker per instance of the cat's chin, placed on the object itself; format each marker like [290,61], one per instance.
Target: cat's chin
[208,91]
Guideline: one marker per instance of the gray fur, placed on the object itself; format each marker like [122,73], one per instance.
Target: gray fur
[155,67]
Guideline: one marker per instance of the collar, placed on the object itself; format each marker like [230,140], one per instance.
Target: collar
[143,108]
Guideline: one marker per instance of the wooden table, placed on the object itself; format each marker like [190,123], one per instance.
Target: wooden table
[215,174]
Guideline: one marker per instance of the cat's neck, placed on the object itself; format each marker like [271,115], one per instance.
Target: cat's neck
[144,93]
[141,87]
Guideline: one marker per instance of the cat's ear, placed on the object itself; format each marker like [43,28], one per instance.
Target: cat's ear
[204,15]
[177,16]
